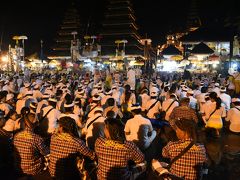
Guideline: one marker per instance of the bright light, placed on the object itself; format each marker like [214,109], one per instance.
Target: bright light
[131,63]
[114,64]
[5,58]
[214,65]
[169,66]
[234,66]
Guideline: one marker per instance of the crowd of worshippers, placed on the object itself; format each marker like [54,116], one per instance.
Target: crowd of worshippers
[48,126]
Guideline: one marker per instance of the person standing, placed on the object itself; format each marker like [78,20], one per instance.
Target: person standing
[131,75]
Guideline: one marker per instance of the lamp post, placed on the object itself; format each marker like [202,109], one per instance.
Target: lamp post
[18,50]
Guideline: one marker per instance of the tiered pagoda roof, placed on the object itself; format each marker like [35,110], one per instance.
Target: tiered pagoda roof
[120,24]
[71,23]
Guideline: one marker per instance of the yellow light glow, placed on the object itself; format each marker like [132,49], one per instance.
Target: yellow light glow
[5,58]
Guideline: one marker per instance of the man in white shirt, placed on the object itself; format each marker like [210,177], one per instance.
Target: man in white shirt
[131,75]
[108,94]
[51,114]
[139,129]
[153,106]
[216,89]
[226,99]
[94,127]
[169,104]
[233,116]
[144,98]
[193,101]
[36,92]
[42,103]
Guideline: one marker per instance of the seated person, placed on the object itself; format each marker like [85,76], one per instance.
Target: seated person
[194,155]
[114,153]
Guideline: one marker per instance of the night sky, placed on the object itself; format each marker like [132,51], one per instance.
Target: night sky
[40,19]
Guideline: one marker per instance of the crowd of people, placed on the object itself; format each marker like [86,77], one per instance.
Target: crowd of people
[101,125]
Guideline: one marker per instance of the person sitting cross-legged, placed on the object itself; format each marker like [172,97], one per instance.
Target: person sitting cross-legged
[139,129]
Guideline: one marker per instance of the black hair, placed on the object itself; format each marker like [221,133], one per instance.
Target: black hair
[184,100]
[59,92]
[68,98]
[110,114]
[236,103]
[116,129]
[188,126]
[53,104]
[204,89]
[137,111]
[69,109]
[173,88]
[69,126]
[213,95]
[79,104]
[110,101]
[26,116]
[166,89]
[127,93]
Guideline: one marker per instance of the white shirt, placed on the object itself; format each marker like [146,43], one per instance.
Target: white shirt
[131,78]
[133,126]
[6,108]
[40,105]
[166,104]
[209,107]
[77,110]
[37,94]
[89,131]
[156,108]
[193,102]
[19,105]
[12,125]
[116,96]
[216,90]
[52,117]
[104,99]
[145,98]
[73,116]
[226,100]
[233,116]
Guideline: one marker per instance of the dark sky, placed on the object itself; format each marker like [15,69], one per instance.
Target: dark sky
[40,19]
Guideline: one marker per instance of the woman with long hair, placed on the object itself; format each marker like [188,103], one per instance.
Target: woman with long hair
[193,154]
[215,114]
[114,152]
[127,99]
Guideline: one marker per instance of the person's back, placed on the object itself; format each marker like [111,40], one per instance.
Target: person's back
[168,106]
[183,111]
[233,116]
[113,158]
[28,148]
[65,147]
[186,165]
